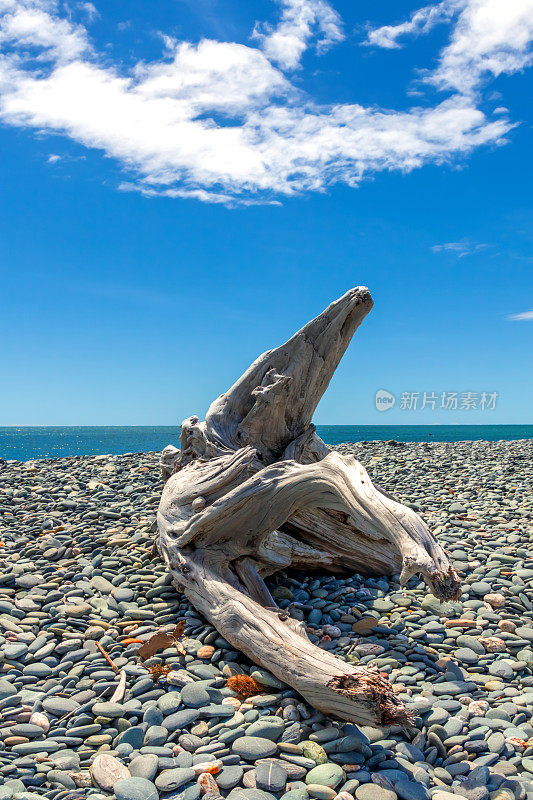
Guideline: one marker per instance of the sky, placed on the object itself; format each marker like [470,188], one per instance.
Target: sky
[186,183]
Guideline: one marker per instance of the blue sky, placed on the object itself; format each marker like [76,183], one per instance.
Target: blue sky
[184,184]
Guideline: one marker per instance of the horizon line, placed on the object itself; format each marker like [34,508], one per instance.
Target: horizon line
[318,425]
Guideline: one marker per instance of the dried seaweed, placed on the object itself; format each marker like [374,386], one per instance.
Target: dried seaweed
[245,686]
[157,671]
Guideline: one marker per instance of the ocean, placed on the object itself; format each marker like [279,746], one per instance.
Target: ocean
[26,443]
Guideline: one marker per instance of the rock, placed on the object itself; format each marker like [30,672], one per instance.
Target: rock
[295,794]
[411,790]
[144,766]
[527,764]
[480,587]
[493,644]
[453,687]
[195,696]
[440,609]
[181,719]
[502,669]
[170,702]
[155,736]
[27,730]
[110,710]
[266,678]
[58,706]
[457,508]
[251,748]
[495,599]
[82,779]
[15,651]
[496,742]
[320,792]
[270,776]
[250,794]
[477,645]
[228,777]
[466,655]
[6,689]
[132,736]
[135,788]
[171,779]
[106,770]
[315,751]
[369,648]
[328,774]
[371,791]
[76,610]
[30,748]
[478,708]
[248,779]
[205,652]
[267,728]
[57,777]
[65,759]
[190,742]
[101,584]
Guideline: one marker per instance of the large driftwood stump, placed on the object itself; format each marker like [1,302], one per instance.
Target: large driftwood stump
[254,490]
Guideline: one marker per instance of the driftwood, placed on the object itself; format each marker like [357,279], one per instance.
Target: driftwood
[253,489]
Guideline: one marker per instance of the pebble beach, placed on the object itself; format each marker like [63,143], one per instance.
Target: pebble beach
[81,715]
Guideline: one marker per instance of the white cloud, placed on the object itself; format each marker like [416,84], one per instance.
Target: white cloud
[29,26]
[490,37]
[300,21]
[461,249]
[422,21]
[212,76]
[90,11]
[53,159]
[217,121]
[525,315]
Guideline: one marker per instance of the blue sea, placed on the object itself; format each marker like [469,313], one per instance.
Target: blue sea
[25,443]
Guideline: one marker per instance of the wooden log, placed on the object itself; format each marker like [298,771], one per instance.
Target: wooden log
[254,489]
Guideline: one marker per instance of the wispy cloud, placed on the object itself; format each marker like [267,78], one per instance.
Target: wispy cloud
[53,158]
[522,317]
[222,121]
[420,22]
[490,37]
[301,21]
[90,11]
[460,249]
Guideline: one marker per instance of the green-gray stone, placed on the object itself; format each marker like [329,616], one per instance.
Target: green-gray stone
[328,774]
[267,727]
[315,751]
[252,748]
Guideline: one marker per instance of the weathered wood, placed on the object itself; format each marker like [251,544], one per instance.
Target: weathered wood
[271,638]
[254,489]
